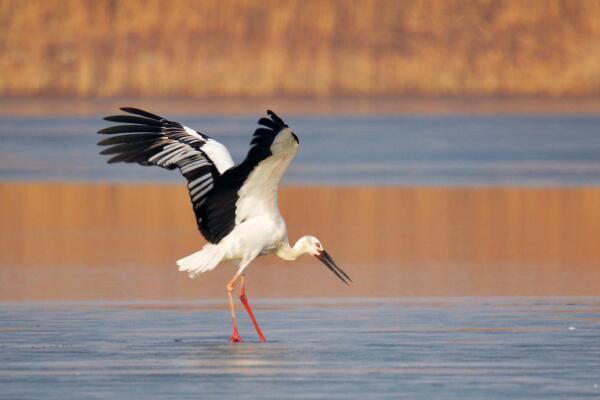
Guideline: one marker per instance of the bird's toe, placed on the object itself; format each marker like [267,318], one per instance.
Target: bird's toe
[235,339]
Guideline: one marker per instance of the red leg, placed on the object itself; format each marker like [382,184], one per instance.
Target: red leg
[244,300]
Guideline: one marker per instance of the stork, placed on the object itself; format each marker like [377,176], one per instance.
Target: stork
[235,206]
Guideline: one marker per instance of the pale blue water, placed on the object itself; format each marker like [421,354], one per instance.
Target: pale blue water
[513,149]
[501,348]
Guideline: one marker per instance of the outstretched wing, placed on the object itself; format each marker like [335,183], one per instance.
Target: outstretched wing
[250,188]
[148,139]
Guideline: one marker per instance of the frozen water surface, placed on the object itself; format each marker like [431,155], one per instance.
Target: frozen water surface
[505,348]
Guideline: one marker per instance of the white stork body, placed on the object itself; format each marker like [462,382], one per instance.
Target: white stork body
[257,236]
[236,206]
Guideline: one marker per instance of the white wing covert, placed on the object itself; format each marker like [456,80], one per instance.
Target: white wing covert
[250,188]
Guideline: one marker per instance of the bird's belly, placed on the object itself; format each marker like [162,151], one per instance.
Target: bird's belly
[257,235]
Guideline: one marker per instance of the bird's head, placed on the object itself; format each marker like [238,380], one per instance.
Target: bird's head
[312,245]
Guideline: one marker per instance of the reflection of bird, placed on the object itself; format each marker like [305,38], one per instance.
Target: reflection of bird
[235,205]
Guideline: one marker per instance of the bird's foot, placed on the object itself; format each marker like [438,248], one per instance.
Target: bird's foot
[235,338]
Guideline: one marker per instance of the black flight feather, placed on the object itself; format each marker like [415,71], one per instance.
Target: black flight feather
[129,129]
[132,119]
[143,113]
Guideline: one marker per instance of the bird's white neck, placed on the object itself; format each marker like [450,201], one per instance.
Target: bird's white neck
[288,253]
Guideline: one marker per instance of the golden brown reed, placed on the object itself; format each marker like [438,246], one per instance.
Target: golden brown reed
[116,241]
[316,48]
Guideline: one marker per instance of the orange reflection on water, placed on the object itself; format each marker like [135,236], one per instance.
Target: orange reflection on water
[116,241]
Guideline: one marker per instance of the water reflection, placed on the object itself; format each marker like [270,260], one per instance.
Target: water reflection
[405,149]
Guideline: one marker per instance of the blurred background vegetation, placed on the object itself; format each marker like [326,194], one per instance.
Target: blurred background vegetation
[299,48]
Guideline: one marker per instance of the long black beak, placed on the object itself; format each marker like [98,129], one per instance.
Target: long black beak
[329,263]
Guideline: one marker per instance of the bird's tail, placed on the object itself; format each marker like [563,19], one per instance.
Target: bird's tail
[201,261]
